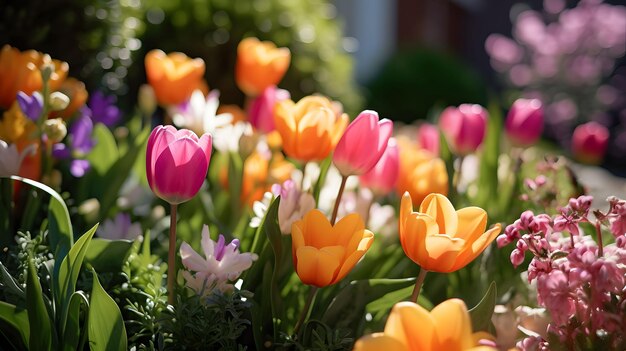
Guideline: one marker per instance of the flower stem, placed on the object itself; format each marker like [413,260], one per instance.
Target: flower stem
[305,310]
[171,256]
[303,175]
[338,200]
[599,234]
[418,284]
[456,179]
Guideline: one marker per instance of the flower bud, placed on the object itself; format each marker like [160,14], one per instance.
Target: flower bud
[524,123]
[147,99]
[589,142]
[55,129]
[90,209]
[58,101]
[428,138]
[47,70]
[464,127]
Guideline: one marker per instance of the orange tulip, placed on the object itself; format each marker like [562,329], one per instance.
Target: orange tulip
[14,125]
[20,71]
[309,129]
[76,91]
[410,327]
[173,76]
[421,173]
[255,171]
[324,254]
[259,65]
[440,239]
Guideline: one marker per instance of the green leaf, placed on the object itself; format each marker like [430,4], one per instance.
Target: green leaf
[107,255]
[38,318]
[275,237]
[15,318]
[105,153]
[348,308]
[106,326]
[317,189]
[482,312]
[9,282]
[488,168]
[69,271]
[59,224]
[71,332]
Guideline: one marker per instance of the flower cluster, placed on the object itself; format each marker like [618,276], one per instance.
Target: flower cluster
[581,283]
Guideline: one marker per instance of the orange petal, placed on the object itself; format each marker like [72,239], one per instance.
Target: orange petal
[317,230]
[316,267]
[411,325]
[453,325]
[472,223]
[344,230]
[440,208]
[417,228]
[442,252]
[354,257]
[477,247]
[406,207]
[377,342]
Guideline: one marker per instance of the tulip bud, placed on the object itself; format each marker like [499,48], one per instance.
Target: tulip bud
[524,123]
[147,100]
[47,70]
[589,142]
[262,108]
[382,178]
[464,127]
[428,138]
[55,129]
[90,208]
[58,101]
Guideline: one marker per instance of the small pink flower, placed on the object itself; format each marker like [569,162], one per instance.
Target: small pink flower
[362,144]
[222,263]
[464,127]
[382,178]
[524,123]
[294,204]
[261,114]
[428,138]
[177,163]
[590,142]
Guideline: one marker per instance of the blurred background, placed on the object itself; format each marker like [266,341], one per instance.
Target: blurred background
[407,59]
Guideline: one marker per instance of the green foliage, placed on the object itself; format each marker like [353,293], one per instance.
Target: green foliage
[38,318]
[107,255]
[106,326]
[319,336]
[482,312]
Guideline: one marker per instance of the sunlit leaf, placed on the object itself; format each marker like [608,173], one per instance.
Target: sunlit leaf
[106,326]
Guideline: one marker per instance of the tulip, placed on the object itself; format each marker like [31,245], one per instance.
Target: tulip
[260,64]
[464,127]
[362,144]
[524,123]
[440,239]
[20,71]
[589,142]
[428,138]
[309,129]
[324,254]
[173,76]
[410,327]
[262,108]
[383,177]
[420,173]
[177,163]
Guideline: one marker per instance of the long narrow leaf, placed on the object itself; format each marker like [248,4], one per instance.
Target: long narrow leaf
[16,319]
[106,326]
[71,332]
[38,318]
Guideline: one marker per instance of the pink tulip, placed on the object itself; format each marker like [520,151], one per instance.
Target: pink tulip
[590,142]
[464,127]
[262,108]
[524,123]
[362,144]
[177,163]
[382,178]
[428,138]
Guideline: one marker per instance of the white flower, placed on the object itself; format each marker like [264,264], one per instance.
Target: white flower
[199,114]
[260,209]
[220,265]
[135,196]
[119,227]
[227,138]
[380,219]
[11,159]
[294,204]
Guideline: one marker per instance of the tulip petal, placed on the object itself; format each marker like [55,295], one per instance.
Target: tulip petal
[317,230]
[472,223]
[385,132]
[344,230]
[316,267]
[442,251]
[440,208]
[314,135]
[191,259]
[377,342]
[453,326]
[364,244]
[180,171]
[411,325]
[406,207]
[206,144]
[417,228]
[472,251]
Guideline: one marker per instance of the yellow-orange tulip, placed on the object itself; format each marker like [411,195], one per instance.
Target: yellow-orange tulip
[421,173]
[410,327]
[440,239]
[14,125]
[324,254]
[259,65]
[173,76]
[20,71]
[309,129]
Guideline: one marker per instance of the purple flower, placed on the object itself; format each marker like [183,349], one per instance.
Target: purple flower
[80,143]
[103,109]
[31,106]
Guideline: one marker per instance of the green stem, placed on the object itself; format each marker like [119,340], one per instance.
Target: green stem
[171,257]
[418,284]
[338,200]
[306,309]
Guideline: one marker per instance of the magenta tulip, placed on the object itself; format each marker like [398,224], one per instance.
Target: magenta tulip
[464,127]
[589,142]
[262,108]
[428,138]
[177,163]
[524,123]
[362,144]
[382,178]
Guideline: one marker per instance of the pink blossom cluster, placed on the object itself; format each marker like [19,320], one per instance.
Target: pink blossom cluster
[580,282]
